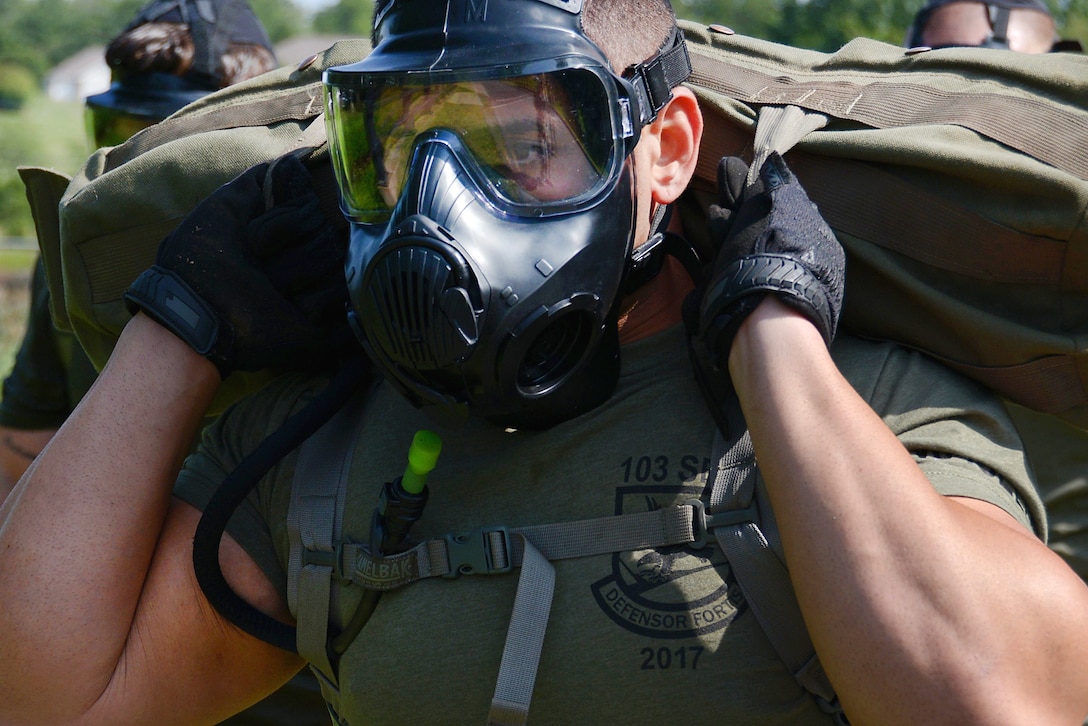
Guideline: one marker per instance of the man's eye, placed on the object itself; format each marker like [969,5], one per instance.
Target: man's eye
[527,152]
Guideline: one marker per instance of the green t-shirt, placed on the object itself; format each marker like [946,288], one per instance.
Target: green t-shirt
[1058,453]
[633,637]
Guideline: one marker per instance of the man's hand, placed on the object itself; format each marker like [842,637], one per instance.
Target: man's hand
[771,239]
[253,277]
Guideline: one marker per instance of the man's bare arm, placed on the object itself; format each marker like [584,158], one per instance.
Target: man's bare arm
[18,447]
[923,609]
[103,621]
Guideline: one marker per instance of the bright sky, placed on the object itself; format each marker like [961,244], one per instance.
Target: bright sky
[311,6]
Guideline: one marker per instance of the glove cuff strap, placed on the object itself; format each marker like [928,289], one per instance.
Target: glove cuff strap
[169,301]
[782,275]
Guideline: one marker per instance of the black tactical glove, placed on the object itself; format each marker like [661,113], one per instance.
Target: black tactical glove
[771,240]
[253,278]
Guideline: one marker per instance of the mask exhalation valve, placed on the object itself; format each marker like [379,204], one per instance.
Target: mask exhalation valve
[426,289]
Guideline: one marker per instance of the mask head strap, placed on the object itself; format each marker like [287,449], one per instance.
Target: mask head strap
[654,79]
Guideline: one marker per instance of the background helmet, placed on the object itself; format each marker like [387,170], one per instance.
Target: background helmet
[139,96]
[998,12]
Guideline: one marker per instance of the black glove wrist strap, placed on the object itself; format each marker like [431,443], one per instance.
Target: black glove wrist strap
[169,301]
[762,273]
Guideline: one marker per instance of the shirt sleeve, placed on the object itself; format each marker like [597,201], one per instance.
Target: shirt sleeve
[958,432]
[225,443]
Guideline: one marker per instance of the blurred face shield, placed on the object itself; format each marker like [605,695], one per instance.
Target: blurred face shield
[135,102]
[111,127]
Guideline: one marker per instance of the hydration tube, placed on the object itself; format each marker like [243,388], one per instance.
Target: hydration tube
[354,373]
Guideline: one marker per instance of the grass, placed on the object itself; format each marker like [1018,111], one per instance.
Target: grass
[16,260]
[43,133]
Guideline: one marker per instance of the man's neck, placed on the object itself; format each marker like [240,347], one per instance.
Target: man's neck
[656,305]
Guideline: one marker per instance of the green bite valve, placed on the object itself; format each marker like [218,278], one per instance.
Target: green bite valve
[402,500]
[400,504]
[422,458]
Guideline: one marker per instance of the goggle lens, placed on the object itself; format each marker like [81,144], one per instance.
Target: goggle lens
[534,141]
[111,127]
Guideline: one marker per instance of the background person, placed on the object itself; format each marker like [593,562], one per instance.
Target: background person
[1025,26]
[171,53]
[908,537]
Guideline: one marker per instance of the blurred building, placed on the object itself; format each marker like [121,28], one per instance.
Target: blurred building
[79,76]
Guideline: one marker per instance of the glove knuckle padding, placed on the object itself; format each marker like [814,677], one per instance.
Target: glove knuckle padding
[772,239]
[259,256]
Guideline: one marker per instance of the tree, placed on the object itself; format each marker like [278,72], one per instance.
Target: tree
[17,85]
[281,18]
[1072,19]
[828,24]
[818,24]
[756,18]
[38,34]
[348,17]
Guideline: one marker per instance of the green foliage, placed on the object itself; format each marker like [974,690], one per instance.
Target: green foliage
[42,133]
[818,24]
[281,18]
[17,86]
[348,17]
[39,34]
[1072,19]
[828,24]
[757,18]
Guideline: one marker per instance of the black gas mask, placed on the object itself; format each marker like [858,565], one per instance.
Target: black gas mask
[485,169]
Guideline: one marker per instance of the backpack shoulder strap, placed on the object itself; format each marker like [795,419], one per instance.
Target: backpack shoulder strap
[750,543]
[314,521]
[740,517]
[752,547]
[738,514]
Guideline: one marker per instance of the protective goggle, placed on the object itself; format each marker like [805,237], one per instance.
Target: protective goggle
[136,101]
[535,144]
[111,126]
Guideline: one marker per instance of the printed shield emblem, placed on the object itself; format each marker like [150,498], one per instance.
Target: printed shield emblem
[672,592]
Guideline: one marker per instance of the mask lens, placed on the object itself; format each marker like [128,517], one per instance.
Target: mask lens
[110,126]
[534,141]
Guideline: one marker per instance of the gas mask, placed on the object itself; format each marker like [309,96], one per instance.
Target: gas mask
[485,170]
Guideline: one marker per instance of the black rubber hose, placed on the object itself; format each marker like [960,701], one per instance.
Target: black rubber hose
[240,482]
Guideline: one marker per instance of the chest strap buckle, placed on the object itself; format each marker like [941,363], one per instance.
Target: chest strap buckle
[484,551]
[702,523]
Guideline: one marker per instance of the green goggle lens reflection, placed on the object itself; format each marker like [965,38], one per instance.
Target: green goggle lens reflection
[110,127]
[534,140]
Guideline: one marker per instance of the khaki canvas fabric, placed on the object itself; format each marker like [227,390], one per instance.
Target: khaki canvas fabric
[125,199]
[956,179]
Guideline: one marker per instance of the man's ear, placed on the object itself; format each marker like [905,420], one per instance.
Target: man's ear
[676,133]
